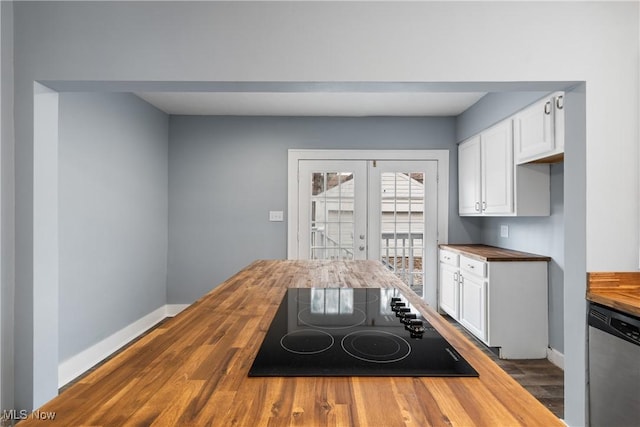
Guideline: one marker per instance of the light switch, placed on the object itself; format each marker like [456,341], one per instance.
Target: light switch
[504,231]
[276,216]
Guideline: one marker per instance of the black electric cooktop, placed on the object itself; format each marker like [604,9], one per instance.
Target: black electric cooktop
[354,332]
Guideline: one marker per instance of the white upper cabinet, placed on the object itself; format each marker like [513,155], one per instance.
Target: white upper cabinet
[469,177]
[539,131]
[497,169]
[490,184]
[485,166]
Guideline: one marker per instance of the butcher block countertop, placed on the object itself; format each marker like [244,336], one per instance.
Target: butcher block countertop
[192,369]
[493,253]
[620,291]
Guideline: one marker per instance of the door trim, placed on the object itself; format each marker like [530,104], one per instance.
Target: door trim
[295,155]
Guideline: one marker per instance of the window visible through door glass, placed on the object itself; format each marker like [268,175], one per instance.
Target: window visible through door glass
[332,220]
[402,225]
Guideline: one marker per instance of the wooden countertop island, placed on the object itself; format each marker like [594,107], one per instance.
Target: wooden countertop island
[192,370]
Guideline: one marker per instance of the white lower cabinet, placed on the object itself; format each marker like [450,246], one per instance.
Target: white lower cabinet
[449,290]
[503,303]
[473,305]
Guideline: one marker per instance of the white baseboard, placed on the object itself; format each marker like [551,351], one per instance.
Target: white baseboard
[76,365]
[555,357]
[173,309]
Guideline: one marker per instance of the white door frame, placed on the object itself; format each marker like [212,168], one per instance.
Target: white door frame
[295,155]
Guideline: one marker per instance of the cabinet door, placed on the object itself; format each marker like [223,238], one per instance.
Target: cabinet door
[473,305]
[469,178]
[497,169]
[533,130]
[449,290]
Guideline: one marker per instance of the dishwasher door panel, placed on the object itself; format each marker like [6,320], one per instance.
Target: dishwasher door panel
[614,367]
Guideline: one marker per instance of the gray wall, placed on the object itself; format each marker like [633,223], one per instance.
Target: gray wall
[491,109]
[226,173]
[113,208]
[6,209]
[541,235]
[544,236]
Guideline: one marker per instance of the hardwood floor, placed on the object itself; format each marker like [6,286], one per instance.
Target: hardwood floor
[541,378]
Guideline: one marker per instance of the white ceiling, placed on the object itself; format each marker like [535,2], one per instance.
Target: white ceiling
[341,103]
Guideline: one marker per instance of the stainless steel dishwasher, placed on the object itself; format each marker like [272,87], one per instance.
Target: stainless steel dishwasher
[614,368]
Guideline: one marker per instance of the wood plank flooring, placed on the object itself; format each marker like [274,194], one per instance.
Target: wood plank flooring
[540,377]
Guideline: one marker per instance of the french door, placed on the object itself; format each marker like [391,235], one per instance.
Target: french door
[403,219]
[371,209]
[333,209]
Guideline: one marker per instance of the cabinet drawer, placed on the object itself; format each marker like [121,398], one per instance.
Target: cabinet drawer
[450,258]
[473,266]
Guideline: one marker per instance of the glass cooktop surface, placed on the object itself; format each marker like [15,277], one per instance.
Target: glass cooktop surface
[354,332]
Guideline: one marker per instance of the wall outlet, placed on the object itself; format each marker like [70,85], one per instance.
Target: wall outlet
[504,231]
[276,216]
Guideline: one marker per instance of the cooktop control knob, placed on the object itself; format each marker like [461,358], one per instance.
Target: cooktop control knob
[416,326]
[397,306]
[407,317]
[400,312]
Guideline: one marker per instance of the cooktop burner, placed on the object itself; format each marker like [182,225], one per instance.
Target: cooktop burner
[354,332]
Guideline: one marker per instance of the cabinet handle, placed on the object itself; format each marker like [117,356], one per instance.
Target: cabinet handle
[560,102]
[455,277]
[484,206]
[471,266]
[547,107]
[477,206]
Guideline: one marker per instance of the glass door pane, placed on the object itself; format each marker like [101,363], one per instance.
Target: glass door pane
[402,225]
[332,210]
[403,222]
[332,224]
